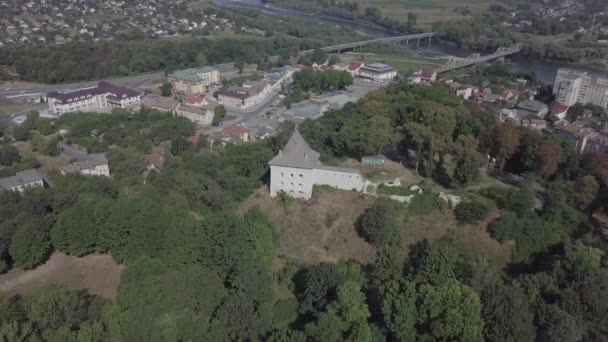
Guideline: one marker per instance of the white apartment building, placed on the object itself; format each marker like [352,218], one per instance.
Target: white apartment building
[202,115]
[193,81]
[378,72]
[104,95]
[296,169]
[246,96]
[572,86]
[22,180]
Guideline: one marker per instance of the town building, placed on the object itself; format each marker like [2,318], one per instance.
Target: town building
[297,169]
[94,164]
[537,124]
[103,96]
[353,68]
[155,161]
[202,115]
[572,86]
[559,110]
[425,75]
[22,180]
[584,139]
[194,81]
[159,103]
[532,108]
[378,72]
[236,133]
[244,97]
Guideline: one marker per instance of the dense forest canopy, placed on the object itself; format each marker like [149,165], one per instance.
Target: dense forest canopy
[201,267]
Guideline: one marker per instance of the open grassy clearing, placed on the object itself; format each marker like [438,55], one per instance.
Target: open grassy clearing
[9,106]
[473,240]
[96,273]
[428,11]
[402,61]
[319,230]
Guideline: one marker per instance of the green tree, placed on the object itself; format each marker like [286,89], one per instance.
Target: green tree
[469,212]
[31,245]
[504,142]
[377,224]
[449,311]
[219,114]
[584,191]
[261,235]
[399,309]
[334,59]
[557,324]
[508,314]
[76,230]
[56,307]
[166,89]
[9,155]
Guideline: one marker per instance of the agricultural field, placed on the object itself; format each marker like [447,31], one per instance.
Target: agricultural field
[428,11]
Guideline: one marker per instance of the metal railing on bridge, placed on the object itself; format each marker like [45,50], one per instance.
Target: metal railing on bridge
[353,45]
[456,63]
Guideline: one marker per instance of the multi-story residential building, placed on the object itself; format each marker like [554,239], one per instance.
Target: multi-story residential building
[297,169]
[378,72]
[194,81]
[532,108]
[159,103]
[244,97]
[584,139]
[94,164]
[202,114]
[573,86]
[104,95]
[23,180]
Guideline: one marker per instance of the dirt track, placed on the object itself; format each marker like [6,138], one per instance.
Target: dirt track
[96,273]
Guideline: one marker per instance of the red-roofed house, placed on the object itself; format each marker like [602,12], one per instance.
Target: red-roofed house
[559,110]
[353,68]
[427,75]
[237,132]
[195,101]
[155,161]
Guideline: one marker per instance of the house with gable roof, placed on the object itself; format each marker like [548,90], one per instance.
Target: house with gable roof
[297,169]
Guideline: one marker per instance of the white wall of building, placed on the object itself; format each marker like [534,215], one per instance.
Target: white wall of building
[299,183]
[99,170]
[296,182]
[22,188]
[339,179]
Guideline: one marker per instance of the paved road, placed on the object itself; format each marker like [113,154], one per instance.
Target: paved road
[130,81]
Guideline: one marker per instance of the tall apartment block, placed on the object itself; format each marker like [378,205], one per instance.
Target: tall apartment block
[572,86]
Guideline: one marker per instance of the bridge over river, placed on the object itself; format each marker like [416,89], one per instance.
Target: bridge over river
[452,64]
[354,45]
[456,63]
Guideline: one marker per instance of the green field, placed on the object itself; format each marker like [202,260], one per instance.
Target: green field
[428,11]
[404,61]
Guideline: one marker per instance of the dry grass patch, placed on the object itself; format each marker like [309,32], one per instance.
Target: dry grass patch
[96,273]
[319,230]
[472,240]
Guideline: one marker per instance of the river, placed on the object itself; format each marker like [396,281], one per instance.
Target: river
[544,71]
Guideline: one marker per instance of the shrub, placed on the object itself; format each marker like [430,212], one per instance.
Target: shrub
[471,212]
[378,224]
[424,204]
